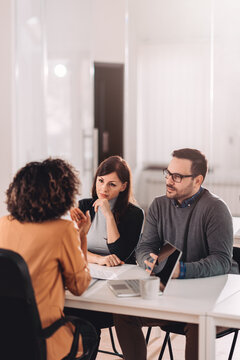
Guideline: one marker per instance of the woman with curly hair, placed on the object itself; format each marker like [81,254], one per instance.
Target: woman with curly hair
[55,252]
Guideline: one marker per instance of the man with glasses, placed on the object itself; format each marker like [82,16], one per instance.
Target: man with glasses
[193,220]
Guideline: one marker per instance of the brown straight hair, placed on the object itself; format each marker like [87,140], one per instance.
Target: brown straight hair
[120,166]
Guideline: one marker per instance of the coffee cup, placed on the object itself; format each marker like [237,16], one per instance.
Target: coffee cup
[149,288]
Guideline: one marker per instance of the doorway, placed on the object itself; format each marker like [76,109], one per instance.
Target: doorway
[108,108]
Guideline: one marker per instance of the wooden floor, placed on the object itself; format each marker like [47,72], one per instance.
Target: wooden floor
[178,344]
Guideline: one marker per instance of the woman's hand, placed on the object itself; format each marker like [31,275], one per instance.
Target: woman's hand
[83,221]
[110,260]
[104,205]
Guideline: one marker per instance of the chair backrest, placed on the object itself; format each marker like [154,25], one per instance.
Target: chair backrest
[20,324]
[236,255]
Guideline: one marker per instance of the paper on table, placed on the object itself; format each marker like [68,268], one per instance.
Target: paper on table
[106,273]
[236,227]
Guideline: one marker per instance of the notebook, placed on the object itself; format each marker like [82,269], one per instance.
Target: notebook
[169,254]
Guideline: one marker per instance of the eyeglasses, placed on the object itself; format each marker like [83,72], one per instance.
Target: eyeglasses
[175,176]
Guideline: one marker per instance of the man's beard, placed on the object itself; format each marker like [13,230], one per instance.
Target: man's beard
[170,195]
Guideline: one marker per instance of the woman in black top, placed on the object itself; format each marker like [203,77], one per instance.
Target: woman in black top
[115,227]
[115,221]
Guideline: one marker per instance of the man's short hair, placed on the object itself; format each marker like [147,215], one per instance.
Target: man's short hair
[198,159]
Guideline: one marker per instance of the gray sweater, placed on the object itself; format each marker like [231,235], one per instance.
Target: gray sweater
[203,231]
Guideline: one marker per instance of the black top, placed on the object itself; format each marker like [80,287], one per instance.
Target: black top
[129,227]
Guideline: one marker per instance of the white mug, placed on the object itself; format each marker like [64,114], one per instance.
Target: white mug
[149,288]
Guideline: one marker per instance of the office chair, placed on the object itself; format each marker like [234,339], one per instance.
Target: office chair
[236,255]
[178,328]
[114,352]
[21,333]
[179,331]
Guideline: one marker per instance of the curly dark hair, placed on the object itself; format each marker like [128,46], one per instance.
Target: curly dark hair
[42,191]
[119,165]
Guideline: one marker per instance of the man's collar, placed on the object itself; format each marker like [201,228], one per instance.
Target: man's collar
[189,201]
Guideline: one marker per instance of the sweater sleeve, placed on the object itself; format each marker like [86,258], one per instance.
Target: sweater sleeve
[129,228]
[151,241]
[218,230]
[74,268]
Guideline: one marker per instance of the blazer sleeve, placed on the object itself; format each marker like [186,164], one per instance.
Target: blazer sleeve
[129,228]
[87,204]
[74,267]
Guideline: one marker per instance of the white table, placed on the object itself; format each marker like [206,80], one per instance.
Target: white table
[225,313]
[185,300]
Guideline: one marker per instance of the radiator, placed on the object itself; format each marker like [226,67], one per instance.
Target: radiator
[230,193]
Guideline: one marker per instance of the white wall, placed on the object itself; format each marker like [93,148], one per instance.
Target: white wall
[109,31]
[6,108]
[83,31]
[93,31]
[29,129]
[184,82]
[76,31]
[95,26]
[69,99]
[168,82]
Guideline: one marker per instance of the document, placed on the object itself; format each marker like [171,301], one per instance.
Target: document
[107,273]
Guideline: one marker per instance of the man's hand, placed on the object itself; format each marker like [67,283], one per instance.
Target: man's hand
[151,263]
[176,273]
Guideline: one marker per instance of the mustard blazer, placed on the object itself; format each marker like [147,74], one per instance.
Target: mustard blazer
[54,258]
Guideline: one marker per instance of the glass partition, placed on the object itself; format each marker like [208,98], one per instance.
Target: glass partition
[225,176]
[183,86]
[54,77]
